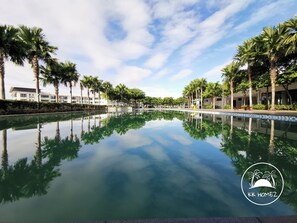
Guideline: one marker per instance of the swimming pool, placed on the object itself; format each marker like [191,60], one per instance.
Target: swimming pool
[86,167]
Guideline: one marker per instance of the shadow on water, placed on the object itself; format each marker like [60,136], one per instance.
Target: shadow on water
[244,140]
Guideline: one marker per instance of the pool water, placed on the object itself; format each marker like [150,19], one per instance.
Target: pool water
[87,167]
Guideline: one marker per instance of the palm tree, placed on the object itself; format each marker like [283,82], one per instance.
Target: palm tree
[81,85]
[87,83]
[247,54]
[53,74]
[37,48]
[96,87]
[107,87]
[291,39]
[203,84]
[230,72]
[272,40]
[213,90]
[70,77]
[11,48]
[122,90]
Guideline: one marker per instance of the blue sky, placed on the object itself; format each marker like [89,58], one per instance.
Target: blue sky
[156,45]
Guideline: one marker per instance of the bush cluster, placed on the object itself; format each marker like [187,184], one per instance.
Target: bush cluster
[26,107]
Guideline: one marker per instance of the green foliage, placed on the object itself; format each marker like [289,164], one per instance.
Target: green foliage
[27,107]
[259,107]
[207,106]
[227,107]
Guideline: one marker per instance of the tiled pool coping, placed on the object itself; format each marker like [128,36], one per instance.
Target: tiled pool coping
[267,115]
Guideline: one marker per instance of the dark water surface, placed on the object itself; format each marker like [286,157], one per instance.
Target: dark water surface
[80,167]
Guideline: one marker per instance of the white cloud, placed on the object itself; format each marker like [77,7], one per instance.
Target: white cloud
[212,29]
[181,75]
[131,75]
[215,74]
[156,61]
[160,74]
[264,13]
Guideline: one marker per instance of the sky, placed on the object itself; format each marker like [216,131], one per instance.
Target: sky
[158,46]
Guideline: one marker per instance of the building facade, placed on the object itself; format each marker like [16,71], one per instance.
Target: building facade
[29,94]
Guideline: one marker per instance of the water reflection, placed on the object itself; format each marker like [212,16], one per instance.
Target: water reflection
[257,142]
[245,141]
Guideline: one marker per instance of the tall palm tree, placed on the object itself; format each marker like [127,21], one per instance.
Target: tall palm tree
[11,48]
[203,85]
[96,87]
[272,40]
[87,83]
[122,90]
[213,90]
[70,76]
[37,48]
[247,54]
[81,85]
[230,72]
[291,39]
[53,74]
[107,88]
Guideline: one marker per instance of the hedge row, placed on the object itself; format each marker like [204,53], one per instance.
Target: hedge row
[28,107]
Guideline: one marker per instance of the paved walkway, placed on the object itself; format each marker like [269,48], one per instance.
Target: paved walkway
[258,112]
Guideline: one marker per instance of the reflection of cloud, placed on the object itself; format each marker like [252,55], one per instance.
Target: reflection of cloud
[161,140]
[133,139]
[181,139]
[216,142]
[156,152]
[159,124]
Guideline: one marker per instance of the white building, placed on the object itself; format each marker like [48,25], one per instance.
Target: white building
[29,94]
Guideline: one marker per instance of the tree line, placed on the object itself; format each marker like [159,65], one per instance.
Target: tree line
[266,60]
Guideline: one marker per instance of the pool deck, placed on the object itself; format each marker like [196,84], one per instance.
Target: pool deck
[287,219]
[236,111]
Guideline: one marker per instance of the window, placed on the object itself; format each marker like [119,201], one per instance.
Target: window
[219,99]
[23,95]
[206,100]
[239,99]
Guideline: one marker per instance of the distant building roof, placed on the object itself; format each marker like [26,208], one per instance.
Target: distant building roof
[31,90]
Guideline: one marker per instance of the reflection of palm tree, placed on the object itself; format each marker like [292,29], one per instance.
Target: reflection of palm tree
[271,141]
[4,162]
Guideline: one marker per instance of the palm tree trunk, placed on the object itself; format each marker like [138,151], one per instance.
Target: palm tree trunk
[56,85]
[273,80]
[70,86]
[231,91]
[201,97]
[99,97]
[286,87]
[231,127]
[2,75]
[81,96]
[250,86]
[88,96]
[214,102]
[35,66]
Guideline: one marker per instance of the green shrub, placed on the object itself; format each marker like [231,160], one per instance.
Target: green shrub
[227,107]
[259,107]
[207,106]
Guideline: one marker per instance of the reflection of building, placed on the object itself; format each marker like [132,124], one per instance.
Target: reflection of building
[29,94]
[259,96]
